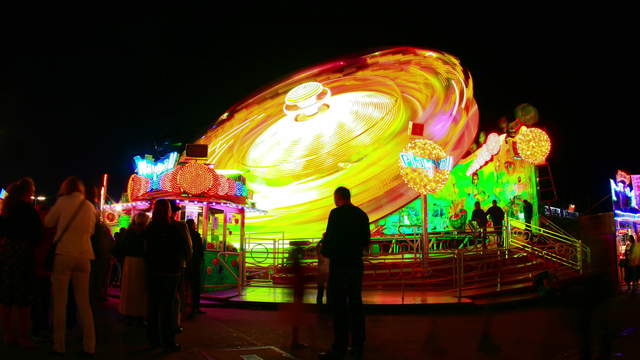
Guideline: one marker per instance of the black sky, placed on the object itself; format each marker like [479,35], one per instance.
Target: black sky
[84,99]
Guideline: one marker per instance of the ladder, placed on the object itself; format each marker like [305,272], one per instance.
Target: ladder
[546,186]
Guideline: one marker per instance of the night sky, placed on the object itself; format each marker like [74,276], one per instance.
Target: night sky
[84,99]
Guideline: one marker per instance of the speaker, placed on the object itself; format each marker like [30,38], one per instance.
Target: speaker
[197,150]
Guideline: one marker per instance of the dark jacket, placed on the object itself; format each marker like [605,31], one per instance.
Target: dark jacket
[22,224]
[167,247]
[528,212]
[133,243]
[347,236]
[496,214]
[198,247]
[479,216]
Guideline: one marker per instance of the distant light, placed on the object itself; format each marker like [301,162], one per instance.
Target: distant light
[41,198]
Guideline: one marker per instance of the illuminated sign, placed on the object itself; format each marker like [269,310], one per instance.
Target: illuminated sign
[621,188]
[635,182]
[425,166]
[417,162]
[148,168]
[624,199]
[623,176]
[625,216]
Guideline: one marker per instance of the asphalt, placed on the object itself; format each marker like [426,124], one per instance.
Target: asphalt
[547,329]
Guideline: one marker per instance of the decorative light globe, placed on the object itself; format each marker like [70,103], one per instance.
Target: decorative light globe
[533,144]
[425,180]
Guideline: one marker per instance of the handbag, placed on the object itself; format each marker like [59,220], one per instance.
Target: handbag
[48,261]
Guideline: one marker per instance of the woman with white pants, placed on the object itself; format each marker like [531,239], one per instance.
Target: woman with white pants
[75,219]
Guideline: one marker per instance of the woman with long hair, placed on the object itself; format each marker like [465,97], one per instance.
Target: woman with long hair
[167,248]
[74,218]
[20,232]
[133,296]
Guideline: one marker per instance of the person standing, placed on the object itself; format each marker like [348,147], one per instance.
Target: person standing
[167,248]
[75,219]
[478,215]
[496,214]
[20,233]
[323,272]
[133,295]
[102,243]
[40,314]
[527,208]
[347,236]
[194,268]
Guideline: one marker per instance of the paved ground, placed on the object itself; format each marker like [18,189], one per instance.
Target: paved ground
[548,331]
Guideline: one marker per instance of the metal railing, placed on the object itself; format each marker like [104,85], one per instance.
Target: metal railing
[457,259]
[558,247]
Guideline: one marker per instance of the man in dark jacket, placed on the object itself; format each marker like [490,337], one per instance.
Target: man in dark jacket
[193,270]
[528,212]
[496,214]
[478,215]
[346,238]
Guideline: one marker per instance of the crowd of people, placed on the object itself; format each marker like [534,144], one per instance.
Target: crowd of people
[155,254]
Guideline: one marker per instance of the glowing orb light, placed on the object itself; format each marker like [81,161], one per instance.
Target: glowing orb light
[223,185]
[342,123]
[195,178]
[137,186]
[533,144]
[424,166]
[169,182]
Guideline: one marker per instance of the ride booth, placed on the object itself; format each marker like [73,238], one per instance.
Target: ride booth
[217,201]
[625,197]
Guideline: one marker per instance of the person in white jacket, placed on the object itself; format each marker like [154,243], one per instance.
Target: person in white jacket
[72,261]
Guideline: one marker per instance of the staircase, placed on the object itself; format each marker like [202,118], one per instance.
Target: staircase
[558,246]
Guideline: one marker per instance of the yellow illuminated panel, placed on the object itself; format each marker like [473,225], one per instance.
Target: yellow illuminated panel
[343,123]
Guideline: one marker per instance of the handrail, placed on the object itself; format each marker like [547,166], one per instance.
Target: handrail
[557,228]
[580,248]
[538,229]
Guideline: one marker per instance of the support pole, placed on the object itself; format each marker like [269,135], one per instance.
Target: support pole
[205,224]
[224,230]
[243,257]
[425,229]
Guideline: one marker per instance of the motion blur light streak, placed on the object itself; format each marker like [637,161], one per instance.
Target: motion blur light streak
[343,123]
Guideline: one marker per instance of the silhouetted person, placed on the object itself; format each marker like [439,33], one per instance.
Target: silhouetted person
[40,314]
[496,214]
[346,238]
[194,267]
[20,232]
[167,248]
[133,292]
[478,215]
[295,269]
[527,208]
[323,272]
